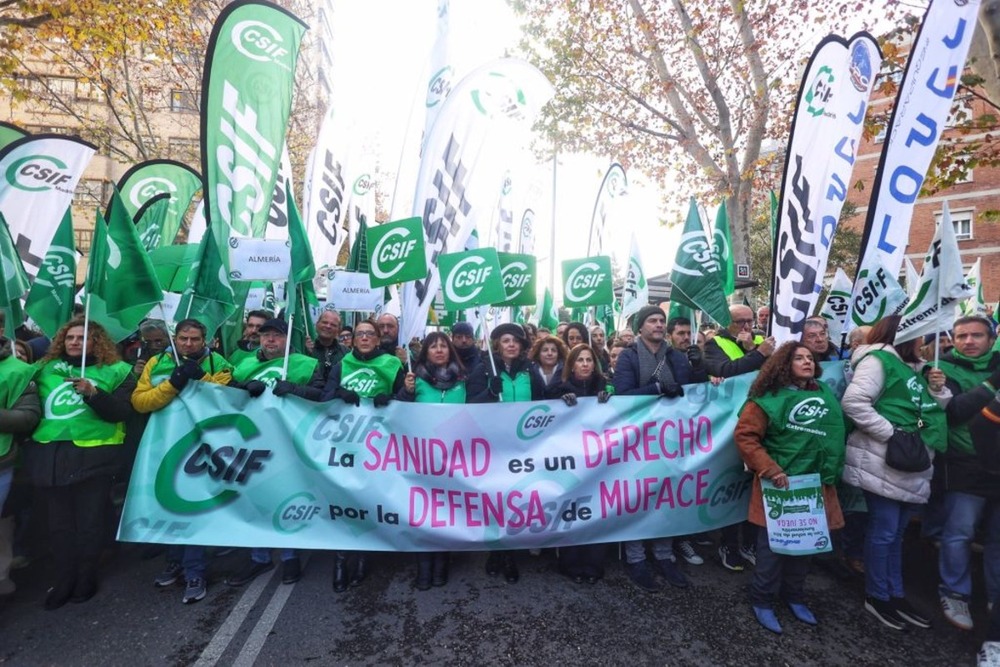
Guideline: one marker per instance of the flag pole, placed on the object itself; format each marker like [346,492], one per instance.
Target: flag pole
[288,338]
[173,345]
[86,331]
[489,353]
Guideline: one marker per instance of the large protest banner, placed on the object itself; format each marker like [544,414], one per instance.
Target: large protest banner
[417,477]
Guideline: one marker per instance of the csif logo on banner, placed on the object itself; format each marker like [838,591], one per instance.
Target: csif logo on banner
[467,279]
[363,185]
[515,279]
[439,86]
[391,251]
[148,188]
[820,92]
[518,276]
[38,173]
[198,455]
[57,268]
[259,41]
[534,422]
[499,96]
[585,277]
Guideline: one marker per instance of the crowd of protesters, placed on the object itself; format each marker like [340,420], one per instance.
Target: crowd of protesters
[73,411]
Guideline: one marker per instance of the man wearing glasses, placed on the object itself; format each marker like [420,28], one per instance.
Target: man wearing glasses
[733,351]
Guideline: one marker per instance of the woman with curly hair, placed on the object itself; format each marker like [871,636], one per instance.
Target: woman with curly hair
[574,334]
[774,445]
[76,449]
[548,354]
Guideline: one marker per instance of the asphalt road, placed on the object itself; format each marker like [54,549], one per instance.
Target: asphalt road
[544,619]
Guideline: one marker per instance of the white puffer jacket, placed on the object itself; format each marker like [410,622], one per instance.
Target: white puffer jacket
[864,466]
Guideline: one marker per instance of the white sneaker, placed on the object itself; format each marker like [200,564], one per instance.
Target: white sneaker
[989,655]
[687,552]
[957,612]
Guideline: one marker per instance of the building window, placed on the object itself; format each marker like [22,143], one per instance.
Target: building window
[184,149]
[59,86]
[88,91]
[183,101]
[45,129]
[962,221]
[89,192]
[84,238]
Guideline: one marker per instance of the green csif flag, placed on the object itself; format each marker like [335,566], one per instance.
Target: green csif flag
[471,278]
[722,249]
[208,297]
[15,280]
[149,221]
[119,272]
[587,282]
[548,316]
[300,291]
[157,179]
[50,300]
[696,278]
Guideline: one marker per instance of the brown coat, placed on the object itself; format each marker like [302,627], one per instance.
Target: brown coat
[749,437]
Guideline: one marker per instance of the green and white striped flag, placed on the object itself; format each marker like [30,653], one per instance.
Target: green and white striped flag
[976,305]
[50,300]
[941,286]
[722,248]
[635,291]
[696,278]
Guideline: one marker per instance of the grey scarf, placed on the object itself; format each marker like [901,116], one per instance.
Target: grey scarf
[653,367]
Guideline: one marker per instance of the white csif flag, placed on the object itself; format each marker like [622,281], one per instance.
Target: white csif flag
[837,305]
[942,284]
[635,291]
[977,304]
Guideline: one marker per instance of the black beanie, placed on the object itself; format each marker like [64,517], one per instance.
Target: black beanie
[644,313]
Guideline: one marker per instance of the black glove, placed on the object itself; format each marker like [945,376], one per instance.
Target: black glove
[569,399]
[192,370]
[348,396]
[282,387]
[995,379]
[671,390]
[381,400]
[694,356]
[603,396]
[255,388]
[178,378]
[495,386]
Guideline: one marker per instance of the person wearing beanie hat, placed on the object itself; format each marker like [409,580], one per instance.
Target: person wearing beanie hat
[649,366]
[507,378]
[463,337]
[644,313]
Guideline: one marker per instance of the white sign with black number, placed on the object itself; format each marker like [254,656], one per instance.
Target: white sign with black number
[259,259]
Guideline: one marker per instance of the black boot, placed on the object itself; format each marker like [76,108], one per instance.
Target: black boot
[339,572]
[510,572]
[60,594]
[494,563]
[425,566]
[440,570]
[360,571]
[86,583]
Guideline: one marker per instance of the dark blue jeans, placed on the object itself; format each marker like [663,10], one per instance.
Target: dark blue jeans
[887,520]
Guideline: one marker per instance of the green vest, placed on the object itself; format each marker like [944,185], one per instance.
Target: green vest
[426,393]
[805,431]
[905,399]
[15,376]
[369,378]
[238,356]
[300,369]
[517,388]
[65,415]
[165,365]
[968,379]
[730,347]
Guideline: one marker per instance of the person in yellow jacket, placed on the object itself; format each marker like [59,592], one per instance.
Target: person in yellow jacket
[163,378]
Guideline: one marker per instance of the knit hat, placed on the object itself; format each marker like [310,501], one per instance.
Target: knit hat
[515,330]
[645,313]
[462,329]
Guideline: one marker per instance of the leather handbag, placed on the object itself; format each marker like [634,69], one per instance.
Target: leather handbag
[906,452]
